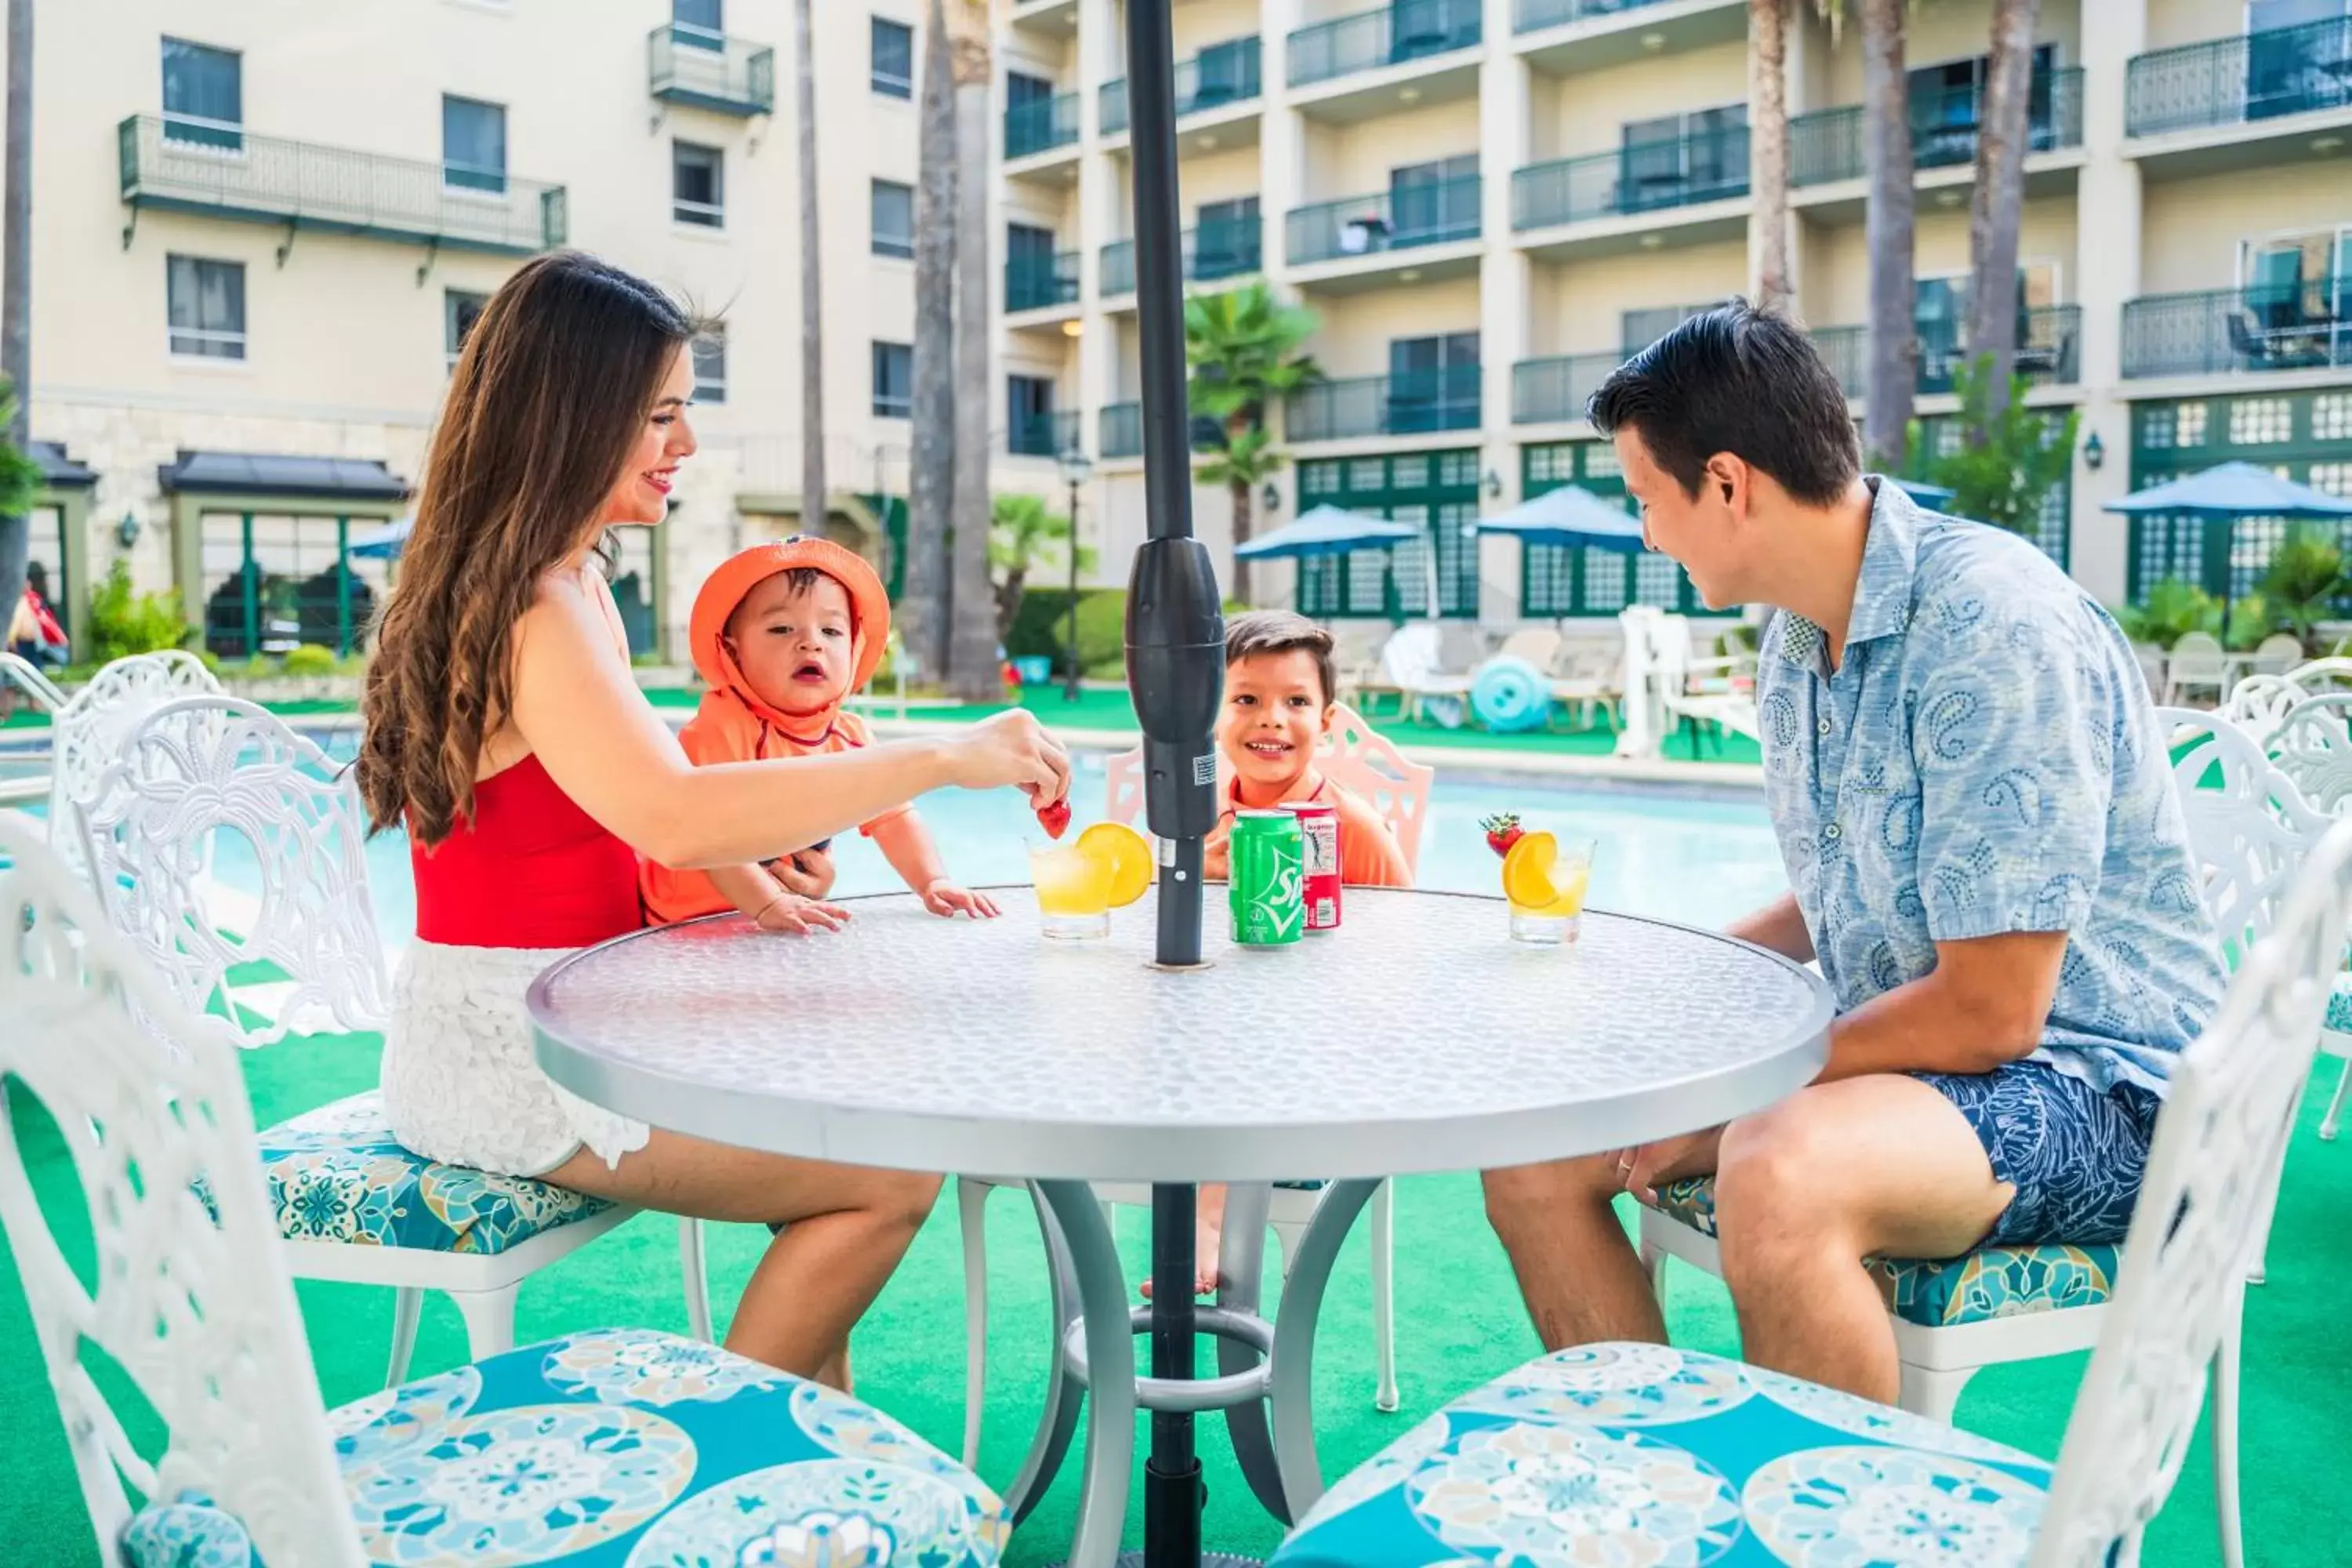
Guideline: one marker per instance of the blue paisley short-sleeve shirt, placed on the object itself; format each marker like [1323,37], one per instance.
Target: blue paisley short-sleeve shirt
[1985,760]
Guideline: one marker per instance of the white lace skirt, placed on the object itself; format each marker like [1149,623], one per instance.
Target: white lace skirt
[460,1083]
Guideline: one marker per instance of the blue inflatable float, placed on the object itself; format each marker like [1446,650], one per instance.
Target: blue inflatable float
[1509,695]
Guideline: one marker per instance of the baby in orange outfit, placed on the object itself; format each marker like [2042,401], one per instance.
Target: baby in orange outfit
[782,632]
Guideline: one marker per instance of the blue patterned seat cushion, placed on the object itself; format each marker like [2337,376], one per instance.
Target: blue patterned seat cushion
[337,1173]
[2339,1005]
[1632,1453]
[1991,1282]
[626,1448]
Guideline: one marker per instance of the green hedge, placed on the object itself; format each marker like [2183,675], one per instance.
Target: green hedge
[1039,628]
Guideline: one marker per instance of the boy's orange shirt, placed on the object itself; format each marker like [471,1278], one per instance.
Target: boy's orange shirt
[725,730]
[1369,856]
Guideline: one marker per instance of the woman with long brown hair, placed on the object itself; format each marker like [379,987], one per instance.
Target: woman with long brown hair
[506,732]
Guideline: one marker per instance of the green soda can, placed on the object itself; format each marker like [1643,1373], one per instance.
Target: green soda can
[1268,856]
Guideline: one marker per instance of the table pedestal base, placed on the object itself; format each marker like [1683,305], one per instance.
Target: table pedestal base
[1265,1368]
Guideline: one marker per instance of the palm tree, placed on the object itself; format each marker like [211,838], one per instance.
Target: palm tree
[812,490]
[16,299]
[971,666]
[931,476]
[1244,350]
[1998,203]
[1888,234]
[1768,130]
[1025,536]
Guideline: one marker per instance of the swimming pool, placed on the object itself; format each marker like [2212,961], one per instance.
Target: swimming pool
[1700,858]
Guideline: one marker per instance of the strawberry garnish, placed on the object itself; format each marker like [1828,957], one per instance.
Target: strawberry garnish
[1503,830]
[1055,818]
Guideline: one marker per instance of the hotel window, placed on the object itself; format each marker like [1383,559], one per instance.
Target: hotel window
[205,300]
[473,144]
[459,312]
[893,58]
[711,366]
[894,218]
[894,380]
[203,95]
[697,185]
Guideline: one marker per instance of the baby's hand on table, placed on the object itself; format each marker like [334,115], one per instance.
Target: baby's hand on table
[809,873]
[944,898]
[792,915]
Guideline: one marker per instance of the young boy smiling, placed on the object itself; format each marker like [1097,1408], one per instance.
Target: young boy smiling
[1280,686]
[1280,683]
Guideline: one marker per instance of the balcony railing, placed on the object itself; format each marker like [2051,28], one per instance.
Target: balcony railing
[1546,391]
[1404,30]
[1229,249]
[1397,220]
[1225,73]
[2236,81]
[1044,435]
[2222,331]
[710,71]
[1650,176]
[2049,352]
[1409,405]
[268,179]
[1041,283]
[1827,145]
[1533,16]
[1120,431]
[1041,126]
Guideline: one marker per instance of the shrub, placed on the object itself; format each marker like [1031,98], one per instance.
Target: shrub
[309,661]
[2172,609]
[1042,626]
[122,623]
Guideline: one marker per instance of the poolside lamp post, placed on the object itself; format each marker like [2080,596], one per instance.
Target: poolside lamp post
[1077,469]
[1175,671]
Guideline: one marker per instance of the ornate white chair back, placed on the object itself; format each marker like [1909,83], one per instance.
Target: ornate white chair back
[2249,825]
[2200,1225]
[2313,745]
[2257,703]
[208,767]
[190,1296]
[1358,758]
[89,730]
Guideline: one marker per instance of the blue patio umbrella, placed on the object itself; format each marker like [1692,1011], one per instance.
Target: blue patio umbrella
[1327,530]
[1333,531]
[1926,494]
[2229,491]
[385,541]
[1569,515]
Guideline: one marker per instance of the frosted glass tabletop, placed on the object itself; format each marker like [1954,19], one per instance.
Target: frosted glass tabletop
[1417,1038]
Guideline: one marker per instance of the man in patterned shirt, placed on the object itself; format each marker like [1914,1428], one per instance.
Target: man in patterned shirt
[1976,809]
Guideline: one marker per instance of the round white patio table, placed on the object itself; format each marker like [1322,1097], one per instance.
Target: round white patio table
[1416,1038]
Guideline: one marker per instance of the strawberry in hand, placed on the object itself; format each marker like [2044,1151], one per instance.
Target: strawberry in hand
[1503,830]
[1055,818]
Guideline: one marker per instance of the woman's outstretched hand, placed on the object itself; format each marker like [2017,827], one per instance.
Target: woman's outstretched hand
[1011,748]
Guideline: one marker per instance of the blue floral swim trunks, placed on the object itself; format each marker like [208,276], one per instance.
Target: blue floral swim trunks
[2074,1153]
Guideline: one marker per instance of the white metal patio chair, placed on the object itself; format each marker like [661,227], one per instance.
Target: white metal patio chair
[2320,675]
[2276,654]
[2195,664]
[2259,702]
[1357,759]
[1412,664]
[302,955]
[600,1444]
[2312,744]
[87,731]
[2251,834]
[1626,1453]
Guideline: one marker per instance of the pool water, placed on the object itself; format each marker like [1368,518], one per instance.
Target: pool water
[1698,859]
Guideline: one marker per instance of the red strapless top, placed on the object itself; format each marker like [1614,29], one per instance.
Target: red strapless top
[529,870]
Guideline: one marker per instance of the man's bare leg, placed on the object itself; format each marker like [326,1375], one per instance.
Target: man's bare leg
[1579,1273]
[1837,1173]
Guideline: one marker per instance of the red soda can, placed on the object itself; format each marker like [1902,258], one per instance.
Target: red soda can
[1320,825]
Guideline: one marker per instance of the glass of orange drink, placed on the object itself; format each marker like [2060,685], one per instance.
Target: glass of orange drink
[1107,866]
[1544,879]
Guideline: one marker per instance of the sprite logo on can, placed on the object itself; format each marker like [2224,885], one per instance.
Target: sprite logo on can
[1268,858]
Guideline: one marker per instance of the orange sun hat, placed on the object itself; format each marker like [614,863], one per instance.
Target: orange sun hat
[869,606]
